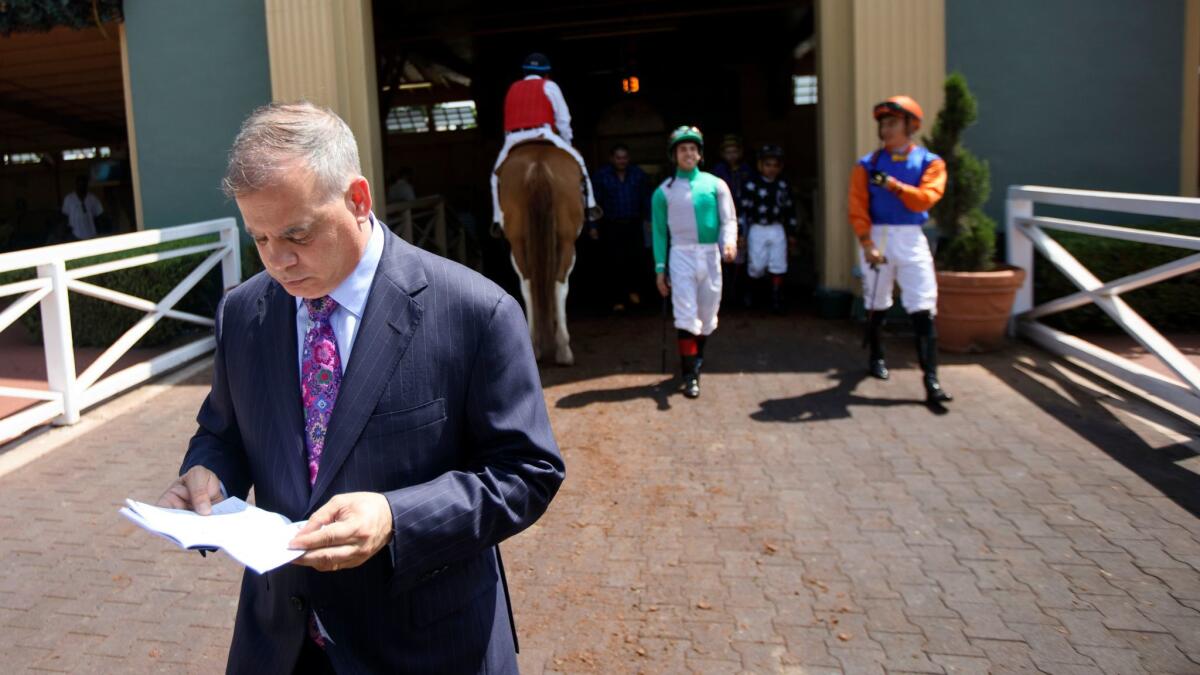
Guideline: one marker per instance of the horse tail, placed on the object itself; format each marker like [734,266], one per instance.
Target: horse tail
[541,249]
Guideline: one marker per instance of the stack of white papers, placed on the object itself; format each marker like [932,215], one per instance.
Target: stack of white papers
[256,538]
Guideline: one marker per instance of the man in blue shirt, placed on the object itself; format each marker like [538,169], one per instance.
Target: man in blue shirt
[735,172]
[623,192]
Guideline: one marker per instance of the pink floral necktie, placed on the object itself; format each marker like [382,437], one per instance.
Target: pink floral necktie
[321,376]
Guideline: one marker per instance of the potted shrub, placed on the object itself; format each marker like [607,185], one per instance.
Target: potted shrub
[975,295]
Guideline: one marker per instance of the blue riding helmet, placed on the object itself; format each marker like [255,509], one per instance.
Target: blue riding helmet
[536,63]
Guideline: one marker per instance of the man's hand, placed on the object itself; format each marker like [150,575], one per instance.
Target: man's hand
[594,233]
[729,252]
[196,490]
[345,532]
[664,284]
[873,256]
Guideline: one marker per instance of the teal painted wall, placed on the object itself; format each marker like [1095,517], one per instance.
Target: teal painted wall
[196,70]
[1073,93]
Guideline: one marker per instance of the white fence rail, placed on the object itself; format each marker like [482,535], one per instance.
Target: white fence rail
[1026,233]
[68,393]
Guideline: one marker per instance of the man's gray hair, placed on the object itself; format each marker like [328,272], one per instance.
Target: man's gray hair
[275,137]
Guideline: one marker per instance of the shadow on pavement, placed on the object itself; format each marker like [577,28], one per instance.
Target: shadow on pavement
[829,404]
[660,393]
[1084,414]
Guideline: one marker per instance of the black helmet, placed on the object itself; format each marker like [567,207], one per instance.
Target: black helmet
[536,63]
[770,150]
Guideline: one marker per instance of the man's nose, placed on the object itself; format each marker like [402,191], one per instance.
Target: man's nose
[279,257]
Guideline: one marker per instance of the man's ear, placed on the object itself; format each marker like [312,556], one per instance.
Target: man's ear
[358,199]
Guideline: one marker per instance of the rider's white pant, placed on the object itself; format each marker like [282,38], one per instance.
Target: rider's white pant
[909,263]
[767,246]
[695,273]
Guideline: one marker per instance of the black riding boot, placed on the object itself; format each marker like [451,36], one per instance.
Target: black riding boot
[926,341]
[875,364]
[590,213]
[692,386]
[689,367]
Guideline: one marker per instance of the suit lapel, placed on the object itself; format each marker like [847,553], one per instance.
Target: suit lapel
[389,322]
[278,347]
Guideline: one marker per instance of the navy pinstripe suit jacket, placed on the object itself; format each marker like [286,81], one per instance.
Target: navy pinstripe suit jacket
[441,410]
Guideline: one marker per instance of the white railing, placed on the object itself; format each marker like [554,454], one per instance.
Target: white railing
[1026,232]
[67,393]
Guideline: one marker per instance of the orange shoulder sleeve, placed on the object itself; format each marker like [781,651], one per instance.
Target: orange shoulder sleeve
[859,201]
[933,186]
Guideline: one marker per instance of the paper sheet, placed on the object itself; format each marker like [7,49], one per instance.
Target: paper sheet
[254,537]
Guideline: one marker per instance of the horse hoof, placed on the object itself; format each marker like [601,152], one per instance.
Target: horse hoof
[564,357]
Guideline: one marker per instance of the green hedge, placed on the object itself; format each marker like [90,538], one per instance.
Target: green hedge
[1167,305]
[97,323]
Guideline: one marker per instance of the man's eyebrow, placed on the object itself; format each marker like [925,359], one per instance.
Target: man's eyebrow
[296,229]
[290,232]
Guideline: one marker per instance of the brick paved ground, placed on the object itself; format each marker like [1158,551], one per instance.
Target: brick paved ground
[795,519]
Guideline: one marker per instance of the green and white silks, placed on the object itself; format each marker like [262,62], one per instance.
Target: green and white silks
[695,207]
[696,211]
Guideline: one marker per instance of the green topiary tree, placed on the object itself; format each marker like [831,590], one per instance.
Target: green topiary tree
[969,235]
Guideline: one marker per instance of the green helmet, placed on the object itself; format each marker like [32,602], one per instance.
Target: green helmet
[681,134]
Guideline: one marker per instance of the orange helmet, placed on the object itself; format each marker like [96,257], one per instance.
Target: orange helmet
[900,106]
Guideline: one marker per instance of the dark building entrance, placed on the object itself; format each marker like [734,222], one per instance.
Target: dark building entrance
[630,73]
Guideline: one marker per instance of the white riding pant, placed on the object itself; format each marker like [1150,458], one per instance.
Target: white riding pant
[695,273]
[767,245]
[515,138]
[909,263]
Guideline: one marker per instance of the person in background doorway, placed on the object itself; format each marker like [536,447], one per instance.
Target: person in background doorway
[622,190]
[735,172]
[401,189]
[732,168]
[768,219]
[81,209]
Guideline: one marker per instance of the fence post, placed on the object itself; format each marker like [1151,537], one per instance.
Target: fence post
[1019,251]
[57,341]
[231,264]
[439,228]
[406,226]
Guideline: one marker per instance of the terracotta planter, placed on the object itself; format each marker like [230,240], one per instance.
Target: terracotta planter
[974,308]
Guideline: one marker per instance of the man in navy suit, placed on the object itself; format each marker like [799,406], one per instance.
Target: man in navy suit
[387,395]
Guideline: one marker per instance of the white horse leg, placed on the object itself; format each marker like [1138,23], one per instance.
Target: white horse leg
[562,354]
[527,296]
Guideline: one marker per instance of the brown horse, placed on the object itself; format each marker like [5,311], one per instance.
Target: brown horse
[543,214]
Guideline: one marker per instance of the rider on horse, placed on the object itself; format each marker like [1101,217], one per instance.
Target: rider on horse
[535,110]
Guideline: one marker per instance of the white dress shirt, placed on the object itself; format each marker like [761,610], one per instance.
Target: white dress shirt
[351,299]
[81,214]
[562,116]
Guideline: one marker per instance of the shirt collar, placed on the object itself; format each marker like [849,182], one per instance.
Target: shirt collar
[690,175]
[534,77]
[352,293]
